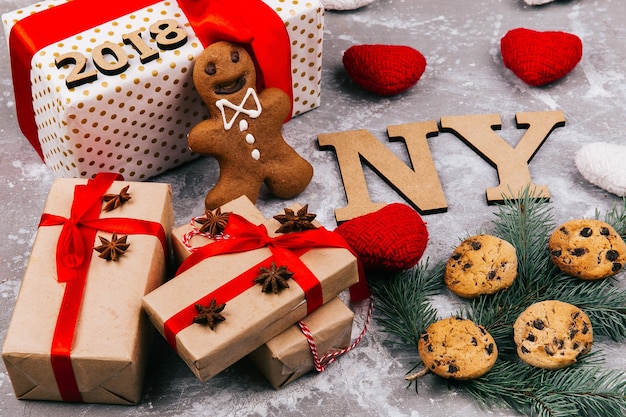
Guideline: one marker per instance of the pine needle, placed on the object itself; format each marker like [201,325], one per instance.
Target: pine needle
[585,389]
[403,300]
[616,217]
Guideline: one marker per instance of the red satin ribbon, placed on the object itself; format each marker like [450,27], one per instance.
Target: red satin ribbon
[34,32]
[286,250]
[73,257]
[245,21]
[249,234]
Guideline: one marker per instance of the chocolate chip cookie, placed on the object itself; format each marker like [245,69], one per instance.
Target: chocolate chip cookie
[457,348]
[481,264]
[552,334]
[588,249]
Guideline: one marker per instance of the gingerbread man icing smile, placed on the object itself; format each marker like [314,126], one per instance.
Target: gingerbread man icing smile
[243,131]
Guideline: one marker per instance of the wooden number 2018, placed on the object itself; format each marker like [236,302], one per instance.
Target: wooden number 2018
[165,32]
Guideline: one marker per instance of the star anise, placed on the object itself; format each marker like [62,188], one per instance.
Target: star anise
[113,201]
[213,222]
[209,314]
[112,249]
[273,279]
[295,222]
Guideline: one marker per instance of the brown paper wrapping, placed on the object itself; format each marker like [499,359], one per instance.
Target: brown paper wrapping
[111,343]
[288,356]
[253,317]
[241,205]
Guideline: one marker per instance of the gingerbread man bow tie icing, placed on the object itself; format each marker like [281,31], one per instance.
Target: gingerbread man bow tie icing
[253,113]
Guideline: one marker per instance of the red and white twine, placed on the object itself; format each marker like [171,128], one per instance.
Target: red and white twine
[330,357]
[186,239]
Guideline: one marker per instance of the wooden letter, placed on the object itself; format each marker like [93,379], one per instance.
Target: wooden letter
[146,53]
[477,131]
[168,35]
[420,186]
[115,67]
[79,75]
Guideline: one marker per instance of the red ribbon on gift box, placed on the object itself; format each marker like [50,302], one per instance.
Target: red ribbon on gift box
[250,22]
[73,257]
[286,250]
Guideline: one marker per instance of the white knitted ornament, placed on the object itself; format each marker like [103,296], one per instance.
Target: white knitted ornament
[537,2]
[344,4]
[604,164]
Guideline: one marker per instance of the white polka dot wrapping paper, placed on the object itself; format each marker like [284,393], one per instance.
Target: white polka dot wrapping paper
[129,112]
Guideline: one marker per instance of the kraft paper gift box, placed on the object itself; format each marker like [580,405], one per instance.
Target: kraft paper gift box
[78,333]
[288,356]
[110,89]
[322,269]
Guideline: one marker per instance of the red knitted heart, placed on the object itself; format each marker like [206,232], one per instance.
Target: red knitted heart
[393,238]
[539,58]
[384,69]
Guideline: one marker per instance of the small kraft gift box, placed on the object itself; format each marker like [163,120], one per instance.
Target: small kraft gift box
[110,89]
[247,286]
[78,332]
[289,355]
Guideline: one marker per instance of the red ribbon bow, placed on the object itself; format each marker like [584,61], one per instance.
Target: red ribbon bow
[286,250]
[73,257]
[244,21]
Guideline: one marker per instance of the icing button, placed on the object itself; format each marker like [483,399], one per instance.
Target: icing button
[250,138]
[243,125]
[255,154]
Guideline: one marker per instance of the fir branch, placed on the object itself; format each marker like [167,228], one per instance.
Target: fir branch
[526,223]
[581,390]
[584,389]
[403,300]
[603,301]
[575,391]
[616,217]
[497,315]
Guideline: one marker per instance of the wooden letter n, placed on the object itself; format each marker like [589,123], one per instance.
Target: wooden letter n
[419,185]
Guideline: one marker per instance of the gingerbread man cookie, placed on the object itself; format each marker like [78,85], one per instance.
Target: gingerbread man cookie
[243,131]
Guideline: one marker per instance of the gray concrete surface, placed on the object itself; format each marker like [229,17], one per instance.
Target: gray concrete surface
[465,75]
